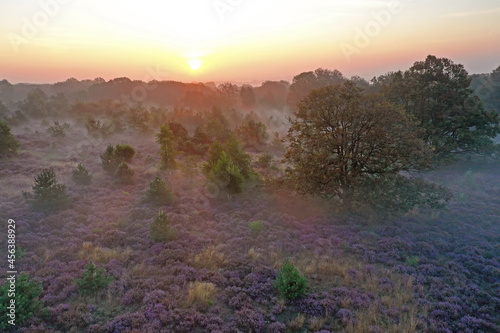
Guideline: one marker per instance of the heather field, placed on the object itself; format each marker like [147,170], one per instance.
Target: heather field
[424,271]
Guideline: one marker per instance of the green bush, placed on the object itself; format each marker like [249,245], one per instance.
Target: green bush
[159,192]
[57,130]
[8,143]
[256,226]
[114,156]
[124,174]
[166,139]
[290,283]
[81,175]
[227,175]
[47,193]
[161,230]
[27,297]
[93,280]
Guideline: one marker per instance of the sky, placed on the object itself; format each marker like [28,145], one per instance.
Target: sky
[45,41]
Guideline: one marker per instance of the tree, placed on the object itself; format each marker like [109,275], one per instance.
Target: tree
[436,92]
[81,175]
[252,132]
[93,280]
[290,283]
[124,174]
[165,138]
[159,192]
[341,136]
[229,94]
[8,143]
[235,152]
[114,156]
[161,230]
[27,297]
[226,174]
[36,104]
[47,194]
[247,96]
[306,82]
[228,166]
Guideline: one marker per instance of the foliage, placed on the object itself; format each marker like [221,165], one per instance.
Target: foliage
[27,300]
[226,174]
[159,192]
[436,92]
[228,165]
[47,194]
[165,138]
[57,130]
[35,104]
[265,160]
[342,135]
[252,132]
[114,156]
[306,82]
[161,230]
[256,226]
[93,280]
[81,175]
[247,95]
[96,128]
[124,174]
[8,143]
[290,283]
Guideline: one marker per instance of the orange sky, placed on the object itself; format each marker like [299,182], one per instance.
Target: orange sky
[242,41]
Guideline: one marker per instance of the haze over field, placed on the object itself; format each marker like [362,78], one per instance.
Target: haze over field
[240,41]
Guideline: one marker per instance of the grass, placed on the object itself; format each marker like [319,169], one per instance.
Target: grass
[201,294]
[209,258]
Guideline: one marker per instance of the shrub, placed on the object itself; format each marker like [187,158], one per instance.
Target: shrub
[47,193]
[166,140]
[161,230]
[114,156]
[27,297]
[124,174]
[93,280]
[227,175]
[256,226]
[8,143]
[159,192]
[265,160]
[124,153]
[81,175]
[57,130]
[290,283]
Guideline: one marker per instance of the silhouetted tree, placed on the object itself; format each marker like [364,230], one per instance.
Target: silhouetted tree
[165,138]
[47,194]
[342,137]
[304,83]
[436,92]
[8,143]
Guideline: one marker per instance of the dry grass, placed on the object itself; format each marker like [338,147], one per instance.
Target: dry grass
[297,323]
[316,324]
[335,271]
[103,255]
[209,258]
[201,293]
[253,254]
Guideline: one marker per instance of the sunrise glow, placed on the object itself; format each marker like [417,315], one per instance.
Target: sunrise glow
[243,41]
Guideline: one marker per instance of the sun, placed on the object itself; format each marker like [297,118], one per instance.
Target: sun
[195,64]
